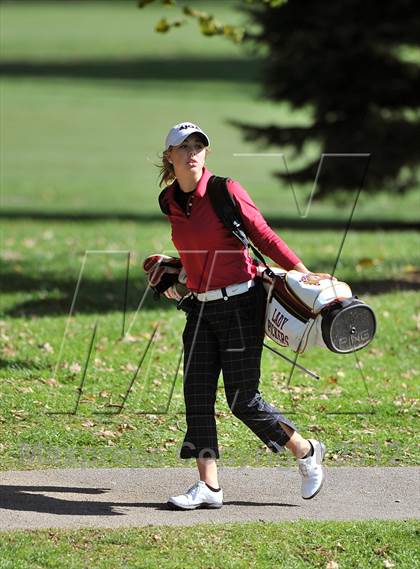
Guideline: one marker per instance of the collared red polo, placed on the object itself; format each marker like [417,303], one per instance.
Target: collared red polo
[212,257]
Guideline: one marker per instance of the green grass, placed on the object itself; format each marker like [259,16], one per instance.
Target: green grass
[290,545]
[107,29]
[42,264]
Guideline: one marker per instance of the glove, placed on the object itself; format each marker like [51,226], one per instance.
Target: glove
[165,275]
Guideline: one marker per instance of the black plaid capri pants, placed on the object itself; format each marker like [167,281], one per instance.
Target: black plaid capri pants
[227,336]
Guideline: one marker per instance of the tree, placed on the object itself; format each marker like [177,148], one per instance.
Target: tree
[356,66]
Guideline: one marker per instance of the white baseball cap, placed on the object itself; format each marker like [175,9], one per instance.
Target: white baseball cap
[181,131]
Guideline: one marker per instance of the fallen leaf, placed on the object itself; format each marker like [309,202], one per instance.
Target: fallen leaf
[125,427]
[25,389]
[128,367]
[340,547]
[88,423]
[20,414]
[47,348]
[51,381]
[129,339]
[381,550]
[332,565]
[11,256]
[107,434]
[410,269]
[75,367]
[315,428]
[87,398]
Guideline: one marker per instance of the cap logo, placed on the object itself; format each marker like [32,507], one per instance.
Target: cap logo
[185,126]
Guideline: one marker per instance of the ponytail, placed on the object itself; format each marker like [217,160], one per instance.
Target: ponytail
[167,172]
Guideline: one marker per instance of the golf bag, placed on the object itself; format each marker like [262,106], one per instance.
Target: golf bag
[304,310]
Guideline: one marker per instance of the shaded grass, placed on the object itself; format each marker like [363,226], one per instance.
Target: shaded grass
[41,262]
[288,545]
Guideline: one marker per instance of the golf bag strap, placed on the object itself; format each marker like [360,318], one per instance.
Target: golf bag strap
[163,202]
[227,210]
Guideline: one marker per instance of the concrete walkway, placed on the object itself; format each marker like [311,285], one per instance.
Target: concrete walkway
[137,496]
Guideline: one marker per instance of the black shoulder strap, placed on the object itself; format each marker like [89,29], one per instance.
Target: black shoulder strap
[163,202]
[228,211]
[226,208]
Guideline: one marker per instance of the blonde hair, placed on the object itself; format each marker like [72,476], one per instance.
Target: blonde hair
[166,170]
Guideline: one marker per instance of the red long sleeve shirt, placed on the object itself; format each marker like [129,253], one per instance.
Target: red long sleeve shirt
[212,257]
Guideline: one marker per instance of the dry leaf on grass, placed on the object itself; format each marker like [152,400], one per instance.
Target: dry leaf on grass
[29,243]
[25,389]
[20,414]
[46,346]
[106,434]
[51,381]
[75,367]
[125,427]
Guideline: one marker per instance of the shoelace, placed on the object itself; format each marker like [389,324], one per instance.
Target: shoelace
[303,469]
[193,490]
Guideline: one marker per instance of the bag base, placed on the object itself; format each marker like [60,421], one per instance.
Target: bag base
[348,325]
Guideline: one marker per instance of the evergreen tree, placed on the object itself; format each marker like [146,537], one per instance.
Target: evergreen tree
[357,65]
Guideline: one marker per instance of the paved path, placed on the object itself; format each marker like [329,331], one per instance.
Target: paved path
[137,496]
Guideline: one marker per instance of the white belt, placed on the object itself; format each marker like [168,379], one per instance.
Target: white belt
[225,292]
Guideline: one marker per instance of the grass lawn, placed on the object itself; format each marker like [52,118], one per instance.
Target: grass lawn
[290,545]
[41,373]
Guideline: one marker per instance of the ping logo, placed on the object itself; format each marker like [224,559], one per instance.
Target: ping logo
[355,340]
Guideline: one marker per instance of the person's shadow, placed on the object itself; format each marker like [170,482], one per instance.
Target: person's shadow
[32,499]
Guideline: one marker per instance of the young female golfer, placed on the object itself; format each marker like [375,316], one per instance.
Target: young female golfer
[224,327]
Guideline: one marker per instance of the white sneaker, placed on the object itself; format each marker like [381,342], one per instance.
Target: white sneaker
[311,470]
[198,496]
